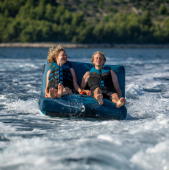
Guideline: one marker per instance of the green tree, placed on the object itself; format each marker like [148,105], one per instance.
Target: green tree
[12,7]
[84,5]
[60,10]
[101,3]
[76,2]
[146,19]
[163,9]
[32,3]
[106,18]
[49,11]
[40,12]
[83,34]
[46,20]
[77,18]
[165,30]
[98,32]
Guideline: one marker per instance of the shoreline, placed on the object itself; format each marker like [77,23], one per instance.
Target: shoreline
[74,45]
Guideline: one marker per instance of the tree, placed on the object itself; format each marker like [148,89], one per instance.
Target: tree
[101,3]
[163,9]
[146,19]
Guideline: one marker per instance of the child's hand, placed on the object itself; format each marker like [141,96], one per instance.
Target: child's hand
[82,92]
[79,90]
[88,92]
[47,95]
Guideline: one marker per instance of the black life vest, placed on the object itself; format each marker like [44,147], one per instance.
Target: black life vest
[102,79]
[60,75]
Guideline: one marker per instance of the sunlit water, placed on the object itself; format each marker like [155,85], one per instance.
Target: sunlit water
[30,140]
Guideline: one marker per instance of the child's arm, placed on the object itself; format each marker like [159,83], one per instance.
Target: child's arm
[76,86]
[84,82]
[115,82]
[47,82]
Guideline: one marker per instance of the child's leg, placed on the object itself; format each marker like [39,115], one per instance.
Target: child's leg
[60,90]
[53,93]
[119,102]
[56,92]
[98,95]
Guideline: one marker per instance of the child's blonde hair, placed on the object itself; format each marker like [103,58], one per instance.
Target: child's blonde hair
[98,52]
[52,53]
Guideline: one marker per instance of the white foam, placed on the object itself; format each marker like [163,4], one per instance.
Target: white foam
[110,138]
[147,106]
[133,91]
[29,106]
[5,129]
[25,152]
[2,97]
[155,157]
[166,95]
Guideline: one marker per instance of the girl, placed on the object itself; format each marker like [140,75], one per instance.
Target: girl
[61,78]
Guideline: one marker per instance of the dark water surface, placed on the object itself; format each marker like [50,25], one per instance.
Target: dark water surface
[30,140]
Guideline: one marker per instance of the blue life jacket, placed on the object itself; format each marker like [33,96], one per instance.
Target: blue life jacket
[102,79]
[60,75]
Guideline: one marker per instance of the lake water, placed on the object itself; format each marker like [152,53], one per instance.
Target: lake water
[31,141]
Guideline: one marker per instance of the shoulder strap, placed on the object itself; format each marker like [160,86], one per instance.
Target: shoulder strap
[105,69]
[54,66]
[66,66]
[94,70]
[68,63]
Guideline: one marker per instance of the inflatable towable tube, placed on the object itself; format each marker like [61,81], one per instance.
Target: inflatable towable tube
[77,105]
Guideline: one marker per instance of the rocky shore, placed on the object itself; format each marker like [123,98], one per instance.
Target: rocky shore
[73,45]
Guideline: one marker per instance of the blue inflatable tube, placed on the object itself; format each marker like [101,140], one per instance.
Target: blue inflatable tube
[76,105]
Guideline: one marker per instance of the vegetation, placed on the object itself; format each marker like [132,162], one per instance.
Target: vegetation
[84,21]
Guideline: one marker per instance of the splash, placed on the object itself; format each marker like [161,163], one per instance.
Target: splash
[29,106]
[133,91]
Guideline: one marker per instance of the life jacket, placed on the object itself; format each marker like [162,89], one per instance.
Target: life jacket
[60,75]
[102,79]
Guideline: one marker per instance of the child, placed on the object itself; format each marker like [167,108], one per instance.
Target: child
[61,78]
[102,81]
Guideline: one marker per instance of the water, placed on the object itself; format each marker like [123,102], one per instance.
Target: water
[30,140]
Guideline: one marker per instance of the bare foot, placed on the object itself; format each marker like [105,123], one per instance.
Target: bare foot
[60,90]
[70,91]
[53,93]
[67,91]
[121,102]
[99,98]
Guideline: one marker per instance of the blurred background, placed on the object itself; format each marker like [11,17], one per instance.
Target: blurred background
[85,21]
